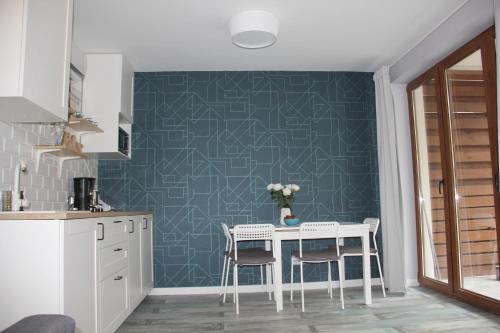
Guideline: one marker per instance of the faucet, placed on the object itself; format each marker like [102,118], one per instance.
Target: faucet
[17,201]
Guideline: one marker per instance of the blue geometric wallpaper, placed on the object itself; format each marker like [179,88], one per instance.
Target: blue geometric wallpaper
[206,144]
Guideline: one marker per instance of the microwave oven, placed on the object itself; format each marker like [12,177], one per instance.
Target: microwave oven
[123,141]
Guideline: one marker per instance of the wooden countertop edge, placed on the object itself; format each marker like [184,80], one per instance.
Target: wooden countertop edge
[64,215]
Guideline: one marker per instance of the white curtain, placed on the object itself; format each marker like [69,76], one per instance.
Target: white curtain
[405,167]
[393,171]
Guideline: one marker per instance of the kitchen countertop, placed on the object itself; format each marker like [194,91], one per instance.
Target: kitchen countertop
[63,215]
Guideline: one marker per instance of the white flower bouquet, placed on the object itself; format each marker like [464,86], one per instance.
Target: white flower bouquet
[283,195]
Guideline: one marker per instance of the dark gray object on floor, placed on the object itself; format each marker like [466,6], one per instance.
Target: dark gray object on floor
[44,323]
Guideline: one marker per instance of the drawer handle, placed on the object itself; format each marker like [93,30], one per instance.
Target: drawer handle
[118,249]
[102,231]
[132,230]
[118,278]
[117,221]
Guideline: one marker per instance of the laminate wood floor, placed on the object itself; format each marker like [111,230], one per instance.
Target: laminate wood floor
[421,310]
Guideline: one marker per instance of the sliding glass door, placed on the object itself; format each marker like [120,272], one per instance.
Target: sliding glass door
[472,117]
[432,212]
[455,143]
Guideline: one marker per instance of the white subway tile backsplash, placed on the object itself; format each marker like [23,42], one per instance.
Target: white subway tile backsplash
[44,189]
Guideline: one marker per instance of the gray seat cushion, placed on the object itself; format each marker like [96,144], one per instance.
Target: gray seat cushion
[354,250]
[43,324]
[317,255]
[255,258]
[252,250]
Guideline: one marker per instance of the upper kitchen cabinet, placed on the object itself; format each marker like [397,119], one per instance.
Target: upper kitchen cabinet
[108,99]
[35,39]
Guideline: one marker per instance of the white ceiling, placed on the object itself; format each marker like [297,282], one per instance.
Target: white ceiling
[174,35]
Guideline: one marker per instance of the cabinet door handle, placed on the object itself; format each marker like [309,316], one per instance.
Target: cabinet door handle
[118,278]
[102,231]
[145,220]
[117,221]
[118,249]
[132,230]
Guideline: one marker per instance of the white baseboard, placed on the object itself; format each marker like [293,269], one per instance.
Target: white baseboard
[412,283]
[254,288]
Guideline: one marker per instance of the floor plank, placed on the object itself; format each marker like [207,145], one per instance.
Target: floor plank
[421,310]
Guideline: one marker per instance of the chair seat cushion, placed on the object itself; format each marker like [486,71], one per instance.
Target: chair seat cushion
[43,324]
[354,250]
[255,258]
[252,250]
[317,255]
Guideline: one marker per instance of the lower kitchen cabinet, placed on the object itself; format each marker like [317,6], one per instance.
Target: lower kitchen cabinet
[95,270]
[146,255]
[135,261]
[114,300]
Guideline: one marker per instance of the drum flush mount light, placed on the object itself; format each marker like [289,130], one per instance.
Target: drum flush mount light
[254,29]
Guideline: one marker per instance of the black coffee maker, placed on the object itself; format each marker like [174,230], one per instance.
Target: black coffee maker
[84,192]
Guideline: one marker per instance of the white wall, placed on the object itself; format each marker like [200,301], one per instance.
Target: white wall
[44,189]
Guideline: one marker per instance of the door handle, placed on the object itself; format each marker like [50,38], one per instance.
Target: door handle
[497,182]
[132,230]
[118,249]
[145,220]
[102,231]
[440,186]
[118,278]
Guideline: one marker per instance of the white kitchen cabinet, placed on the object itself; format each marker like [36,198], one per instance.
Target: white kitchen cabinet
[135,261]
[35,39]
[147,254]
[114,301]
[108,99]
[90,269]
[48,266]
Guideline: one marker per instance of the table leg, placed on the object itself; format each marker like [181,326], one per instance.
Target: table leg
[268,271]
[366,268]
[278,274]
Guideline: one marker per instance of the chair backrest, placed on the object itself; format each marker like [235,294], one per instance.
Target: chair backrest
[252,232]
[229,239]
[374,224]
[318,230]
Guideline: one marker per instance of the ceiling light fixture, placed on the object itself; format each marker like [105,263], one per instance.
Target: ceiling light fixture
[254,29]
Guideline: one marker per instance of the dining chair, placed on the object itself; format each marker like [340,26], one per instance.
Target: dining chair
[319,230]
[252,232]
[354,251]
[229,255]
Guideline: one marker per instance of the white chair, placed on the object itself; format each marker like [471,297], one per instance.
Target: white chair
[319,230]
[252,232]
[228,256]
[354,251]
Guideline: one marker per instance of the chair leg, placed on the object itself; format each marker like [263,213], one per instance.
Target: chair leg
[380,273]
[330,289]
[235,272]
[291,280]
[227,278]
[342,273]
[302,284]
[223,276]
[341,283]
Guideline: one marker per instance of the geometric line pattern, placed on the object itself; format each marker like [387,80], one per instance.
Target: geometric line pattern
[206,144]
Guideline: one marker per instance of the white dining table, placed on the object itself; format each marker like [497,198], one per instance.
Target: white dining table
[347,229]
